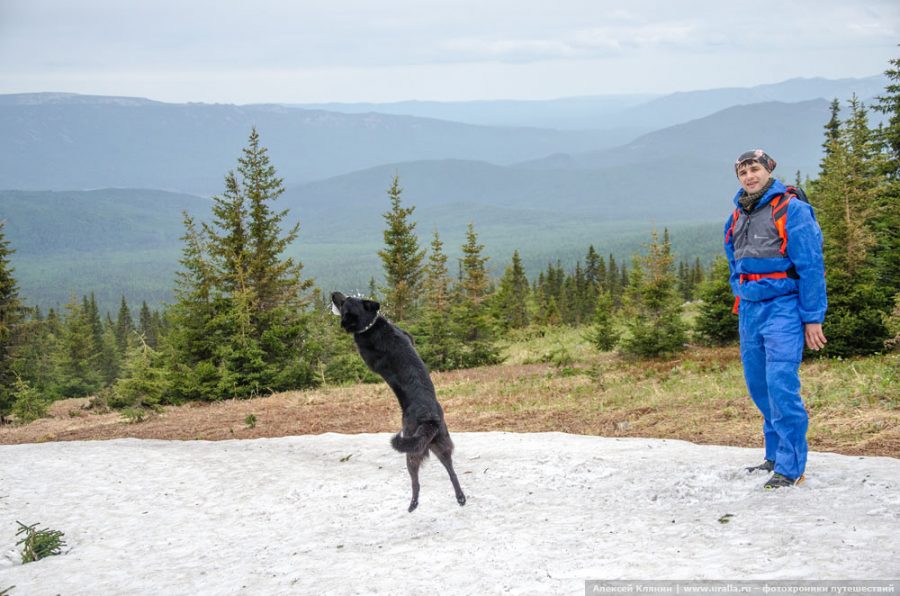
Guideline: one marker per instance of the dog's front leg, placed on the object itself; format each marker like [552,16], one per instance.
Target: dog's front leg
[413,460]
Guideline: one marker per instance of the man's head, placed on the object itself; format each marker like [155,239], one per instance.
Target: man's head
[753,169]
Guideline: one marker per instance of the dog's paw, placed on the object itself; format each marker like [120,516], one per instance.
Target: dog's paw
[412,506]
[461,499]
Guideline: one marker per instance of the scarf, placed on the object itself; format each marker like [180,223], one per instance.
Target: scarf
[749,201]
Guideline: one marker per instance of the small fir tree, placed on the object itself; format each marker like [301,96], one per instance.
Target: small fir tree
[594,274]
[716,323]
[470,315]
[401,258]
[510,302]
[653,307]
[438,343]
[604,333]
[144,383]
[79,370]
[30,404]
[124,327]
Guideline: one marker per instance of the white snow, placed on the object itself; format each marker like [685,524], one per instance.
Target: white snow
[546,512]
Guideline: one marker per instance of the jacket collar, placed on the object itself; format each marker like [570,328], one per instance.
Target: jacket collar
[776,189]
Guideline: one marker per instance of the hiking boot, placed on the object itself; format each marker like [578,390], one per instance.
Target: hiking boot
[780,480]
[767,466]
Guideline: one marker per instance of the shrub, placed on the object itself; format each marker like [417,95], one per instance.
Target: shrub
[29,405]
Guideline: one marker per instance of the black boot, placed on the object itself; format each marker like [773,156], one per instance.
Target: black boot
[780,481]
[767,466]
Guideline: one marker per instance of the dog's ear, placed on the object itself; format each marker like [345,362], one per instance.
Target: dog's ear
[370,305]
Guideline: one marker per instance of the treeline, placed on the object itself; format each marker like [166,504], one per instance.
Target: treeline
[247,322]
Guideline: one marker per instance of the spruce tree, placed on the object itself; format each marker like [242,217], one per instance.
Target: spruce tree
[93,314]
[886,217]
[401,258]
[614,281]
[242,291]
[471,316]
[604,333]
[36,355]
[274,278]
[696,276]
[79,370]
[845,195]
[109,359]
[29,404]
[584,299]
[146,327]
[594,273]
[124,327]
[144,383]
[10,317]
[684,281]
[510,303]
[437,342]
[193,343]
[652,305]
[716,323]
[832,130]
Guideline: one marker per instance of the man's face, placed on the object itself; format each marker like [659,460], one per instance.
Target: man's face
[753,176]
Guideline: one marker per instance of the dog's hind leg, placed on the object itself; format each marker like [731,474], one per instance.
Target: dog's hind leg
[443,450]
[413,461]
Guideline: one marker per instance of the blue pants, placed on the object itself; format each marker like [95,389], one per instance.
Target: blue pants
[771,350]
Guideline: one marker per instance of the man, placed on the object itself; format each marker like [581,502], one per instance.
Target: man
[774,249]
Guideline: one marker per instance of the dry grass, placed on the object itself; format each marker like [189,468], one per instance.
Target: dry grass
[699,397]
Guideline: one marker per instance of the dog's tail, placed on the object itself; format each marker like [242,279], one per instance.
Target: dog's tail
[422,437]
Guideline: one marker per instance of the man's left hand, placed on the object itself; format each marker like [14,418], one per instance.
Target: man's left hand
[815,339]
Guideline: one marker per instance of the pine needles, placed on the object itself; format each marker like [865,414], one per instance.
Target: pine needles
[38,544]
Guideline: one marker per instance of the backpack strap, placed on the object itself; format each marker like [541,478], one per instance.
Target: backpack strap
[734,218]
[779,216]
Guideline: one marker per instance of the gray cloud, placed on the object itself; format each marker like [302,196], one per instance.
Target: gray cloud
[322,44]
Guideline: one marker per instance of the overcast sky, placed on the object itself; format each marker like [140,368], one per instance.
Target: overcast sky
[242,51]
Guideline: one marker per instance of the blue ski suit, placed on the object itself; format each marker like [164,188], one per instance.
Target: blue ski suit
[772,313]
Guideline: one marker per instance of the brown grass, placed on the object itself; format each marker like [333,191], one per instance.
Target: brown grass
[699,397]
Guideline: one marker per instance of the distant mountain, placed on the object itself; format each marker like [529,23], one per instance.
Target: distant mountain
[622,113]
[685,106]
[791,132]
[62,141]
[568,113]
[681,173]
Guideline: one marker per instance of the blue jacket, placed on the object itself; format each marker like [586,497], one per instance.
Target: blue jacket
[804,254]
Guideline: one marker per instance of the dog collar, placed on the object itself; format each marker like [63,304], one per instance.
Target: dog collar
[369,326]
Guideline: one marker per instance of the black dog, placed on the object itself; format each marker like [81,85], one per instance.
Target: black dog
[388,351]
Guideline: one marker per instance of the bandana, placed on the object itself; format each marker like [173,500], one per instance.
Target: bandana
[757,155]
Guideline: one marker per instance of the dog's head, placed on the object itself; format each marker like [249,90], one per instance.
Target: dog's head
[357,314]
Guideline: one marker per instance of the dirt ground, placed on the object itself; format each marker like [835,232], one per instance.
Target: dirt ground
[484,399]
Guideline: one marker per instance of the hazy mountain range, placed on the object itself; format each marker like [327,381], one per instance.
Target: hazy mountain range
[547,192]
[610,112]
